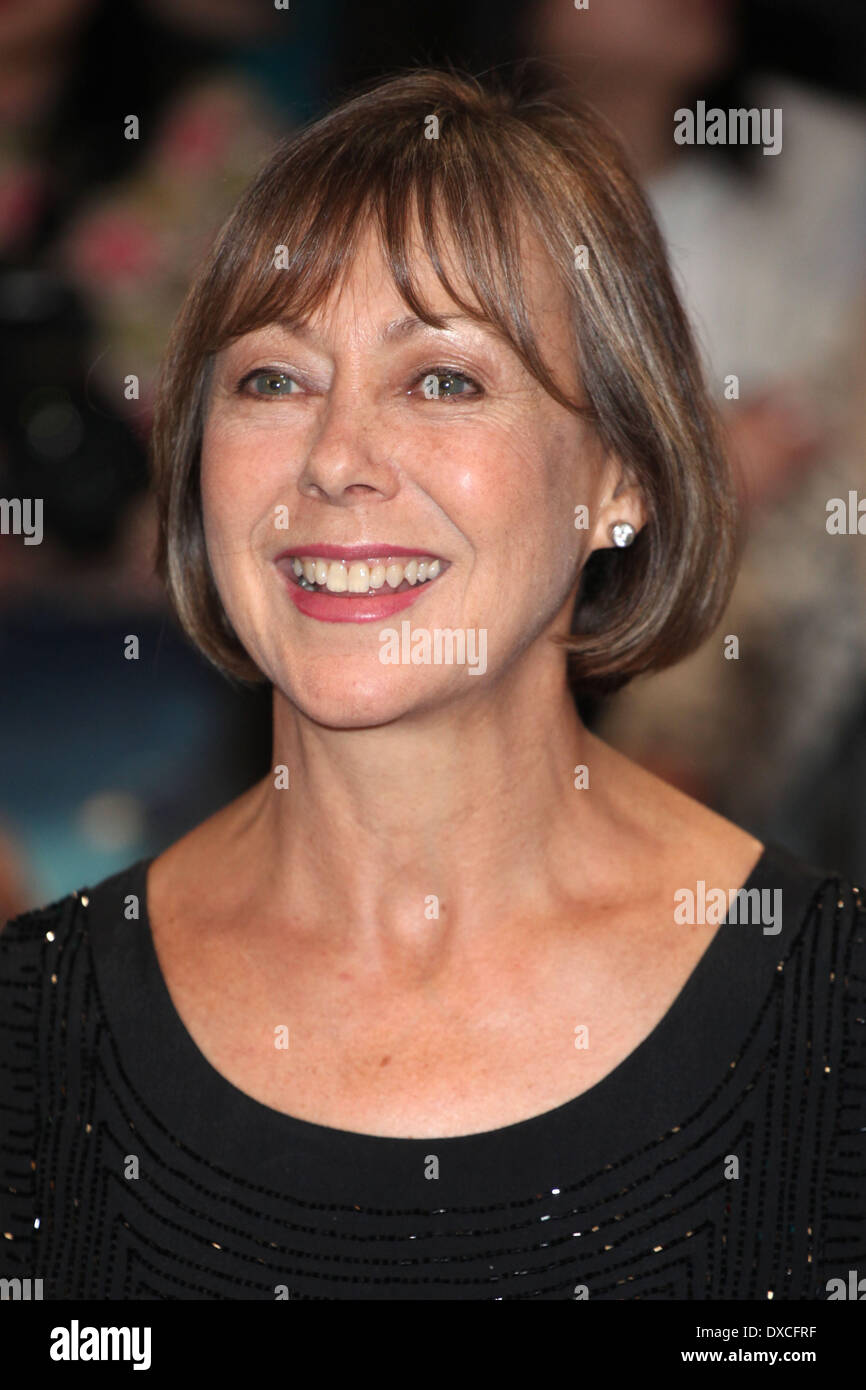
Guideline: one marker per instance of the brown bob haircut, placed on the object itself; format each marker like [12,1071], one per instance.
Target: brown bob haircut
[500,163]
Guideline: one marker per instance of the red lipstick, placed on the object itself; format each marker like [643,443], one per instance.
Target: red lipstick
[373,606]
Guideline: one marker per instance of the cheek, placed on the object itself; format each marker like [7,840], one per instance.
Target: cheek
[514,497]
[225,462]
[237,486]
[506,477]
[218,479]
[548,477]
[230,508]
[556,540]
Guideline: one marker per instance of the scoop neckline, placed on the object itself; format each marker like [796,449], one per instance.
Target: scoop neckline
[177,1049]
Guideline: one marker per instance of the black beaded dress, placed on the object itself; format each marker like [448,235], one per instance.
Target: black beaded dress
[724,1158]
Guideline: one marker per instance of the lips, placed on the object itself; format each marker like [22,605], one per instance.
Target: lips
[357,583]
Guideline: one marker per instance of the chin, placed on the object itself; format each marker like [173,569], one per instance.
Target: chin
[361,699]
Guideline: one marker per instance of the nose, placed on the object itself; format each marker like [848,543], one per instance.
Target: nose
[347,461]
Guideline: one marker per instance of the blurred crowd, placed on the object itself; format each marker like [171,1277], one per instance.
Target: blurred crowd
[126,135]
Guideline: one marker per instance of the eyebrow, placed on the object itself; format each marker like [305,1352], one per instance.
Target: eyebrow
[397,329]
[405,327]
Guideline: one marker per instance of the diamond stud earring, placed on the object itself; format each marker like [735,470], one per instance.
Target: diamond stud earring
[622,533]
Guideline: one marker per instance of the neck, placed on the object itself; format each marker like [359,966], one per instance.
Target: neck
[464,816]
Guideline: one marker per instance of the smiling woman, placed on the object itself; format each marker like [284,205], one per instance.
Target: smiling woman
[418,1015]
[469,221]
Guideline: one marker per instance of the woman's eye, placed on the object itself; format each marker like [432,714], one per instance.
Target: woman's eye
[269,384]
[441,381]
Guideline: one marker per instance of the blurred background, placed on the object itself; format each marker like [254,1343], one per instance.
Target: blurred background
[127,134]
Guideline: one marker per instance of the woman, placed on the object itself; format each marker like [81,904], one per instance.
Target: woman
[444,1007]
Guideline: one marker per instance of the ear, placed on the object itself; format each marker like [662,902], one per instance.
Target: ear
[621,499]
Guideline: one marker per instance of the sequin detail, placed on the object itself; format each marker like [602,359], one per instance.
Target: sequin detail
[659,1220]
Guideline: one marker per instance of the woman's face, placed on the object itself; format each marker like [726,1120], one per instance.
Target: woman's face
[336,427]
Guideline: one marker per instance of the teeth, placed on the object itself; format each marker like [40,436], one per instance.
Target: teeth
[361,576]
[337,581]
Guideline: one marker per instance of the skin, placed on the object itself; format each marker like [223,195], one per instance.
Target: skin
[306,906]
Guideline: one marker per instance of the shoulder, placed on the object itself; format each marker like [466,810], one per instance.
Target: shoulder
[205,874]
[29,947]
[30,942]
[48,964]
[23,938]
[824,915]
[820,999]
[825,1002]
[49,1033]
[681,850]
[670,838]
[833,927]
